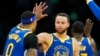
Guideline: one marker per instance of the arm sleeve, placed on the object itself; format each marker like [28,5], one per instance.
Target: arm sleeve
[95,9]
[31,41]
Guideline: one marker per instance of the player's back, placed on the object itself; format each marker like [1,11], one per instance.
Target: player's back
[60,47]
[15,42]
[86,49]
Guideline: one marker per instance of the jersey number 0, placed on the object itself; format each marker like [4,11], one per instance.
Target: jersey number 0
[9,49]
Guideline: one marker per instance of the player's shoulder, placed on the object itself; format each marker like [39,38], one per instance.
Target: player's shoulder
[13,29]
[74,41]
[43,34]
[76,46]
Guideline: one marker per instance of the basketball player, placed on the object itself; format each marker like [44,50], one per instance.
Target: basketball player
[21,37]
[94,8]
[59,43]
[86,44]
[87,30]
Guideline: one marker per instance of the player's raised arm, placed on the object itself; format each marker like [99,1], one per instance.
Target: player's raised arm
[88,28]
[94,8]
[39,9]
[87,31]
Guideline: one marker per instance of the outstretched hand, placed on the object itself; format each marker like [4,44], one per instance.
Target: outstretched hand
[39,9]
[88,27]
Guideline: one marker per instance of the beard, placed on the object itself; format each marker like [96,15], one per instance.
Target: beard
[61,31]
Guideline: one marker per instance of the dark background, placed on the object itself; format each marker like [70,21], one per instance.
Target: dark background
[10,11]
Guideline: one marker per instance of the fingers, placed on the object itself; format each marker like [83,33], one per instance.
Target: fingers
[92,24]
[36,5]
[39,9]
[34,10]
[45,8]
[40,4]
[89,21]
[45,15]
[43,5]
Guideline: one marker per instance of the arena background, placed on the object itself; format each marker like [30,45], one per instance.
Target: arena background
[10,11]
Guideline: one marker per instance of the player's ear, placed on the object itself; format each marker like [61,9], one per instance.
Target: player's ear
[68,24]
[34,22]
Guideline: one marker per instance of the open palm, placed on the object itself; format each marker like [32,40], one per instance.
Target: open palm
[88,27]
[39,9]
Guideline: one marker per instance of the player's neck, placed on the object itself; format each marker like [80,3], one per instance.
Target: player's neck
[78,36]
[63,35]
[31,28]
[25,26]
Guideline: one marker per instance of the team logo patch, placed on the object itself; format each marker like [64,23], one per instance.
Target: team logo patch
[61,51]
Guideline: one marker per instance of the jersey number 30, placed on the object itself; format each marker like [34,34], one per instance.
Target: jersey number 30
[9,49]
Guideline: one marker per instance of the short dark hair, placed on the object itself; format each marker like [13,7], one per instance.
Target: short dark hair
[65,15]
[78,27]
[27,15]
